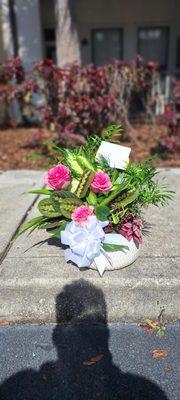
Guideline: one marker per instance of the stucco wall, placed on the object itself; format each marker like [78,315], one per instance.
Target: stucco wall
[126,14]
[29,31]
[129,15]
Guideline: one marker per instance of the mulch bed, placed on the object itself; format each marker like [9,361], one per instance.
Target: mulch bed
[18,147]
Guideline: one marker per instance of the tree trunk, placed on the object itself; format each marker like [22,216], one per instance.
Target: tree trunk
[67,39]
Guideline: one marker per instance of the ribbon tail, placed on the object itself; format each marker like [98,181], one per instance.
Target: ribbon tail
[102,262]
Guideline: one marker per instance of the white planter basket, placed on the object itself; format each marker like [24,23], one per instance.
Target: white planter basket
[120,259]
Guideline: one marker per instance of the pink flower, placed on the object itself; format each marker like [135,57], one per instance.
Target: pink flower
[58,177]
[132,230]
[82,214]
[101,182]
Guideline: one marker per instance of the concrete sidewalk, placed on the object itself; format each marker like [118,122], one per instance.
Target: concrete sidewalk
[33,270]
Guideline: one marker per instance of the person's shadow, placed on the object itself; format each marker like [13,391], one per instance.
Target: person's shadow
[84,368]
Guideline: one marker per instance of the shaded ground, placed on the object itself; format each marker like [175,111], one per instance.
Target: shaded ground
[92,361]
[19,147]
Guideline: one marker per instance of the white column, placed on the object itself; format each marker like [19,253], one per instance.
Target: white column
[67,40]
[29,31]
[6,30]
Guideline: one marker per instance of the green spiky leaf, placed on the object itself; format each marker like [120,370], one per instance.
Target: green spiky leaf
[71,161]
[85,163]
[41,191]
[50,224]
[27,225]
[84,183]
[130,197]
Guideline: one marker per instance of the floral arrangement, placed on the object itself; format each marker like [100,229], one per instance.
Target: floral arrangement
[95,199]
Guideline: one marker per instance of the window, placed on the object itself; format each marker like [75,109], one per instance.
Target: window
[50,43]
[153,45]
[106,45]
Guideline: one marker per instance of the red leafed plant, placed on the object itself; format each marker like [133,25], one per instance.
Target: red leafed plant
[12,76]
[78,100]
[171,143]
[82,100]
[132,230]
[131,227]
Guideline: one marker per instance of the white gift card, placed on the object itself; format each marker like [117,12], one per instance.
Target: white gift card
[117,156]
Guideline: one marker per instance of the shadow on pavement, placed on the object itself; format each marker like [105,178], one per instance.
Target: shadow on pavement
[84,368]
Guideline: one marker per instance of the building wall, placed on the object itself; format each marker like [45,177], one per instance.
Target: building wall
[129,15]
[126,14]
[29,31]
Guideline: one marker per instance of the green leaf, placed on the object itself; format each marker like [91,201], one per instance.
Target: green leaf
[33,229]
[58,196]
[41,191]
[113,194]
[92,198]
[69,205]
[114,176]
[84,162]
[130,197]
[34,155]
[161,331]
[57,233]
[112,133]
[115,219]
[114,247]
[48,209]
[102,212]
[72,163]
[50,225]
[84,183]
[27,225]
[56,148]
[74,184]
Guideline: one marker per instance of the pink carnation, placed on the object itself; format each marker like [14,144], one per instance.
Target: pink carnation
[82,214]
[58,177]
[101,182]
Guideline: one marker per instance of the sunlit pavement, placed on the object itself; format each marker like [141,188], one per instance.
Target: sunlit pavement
[33,270]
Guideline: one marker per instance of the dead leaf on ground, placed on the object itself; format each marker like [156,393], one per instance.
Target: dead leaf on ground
[4,323]
[159,353]
[93,360]
[149,324]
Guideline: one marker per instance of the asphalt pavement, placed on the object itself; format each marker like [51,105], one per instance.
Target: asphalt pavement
[88,360]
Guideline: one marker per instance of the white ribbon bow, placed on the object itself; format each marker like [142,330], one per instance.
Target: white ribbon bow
[84,241]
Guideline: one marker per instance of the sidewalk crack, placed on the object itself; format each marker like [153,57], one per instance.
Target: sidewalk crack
[4,253]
